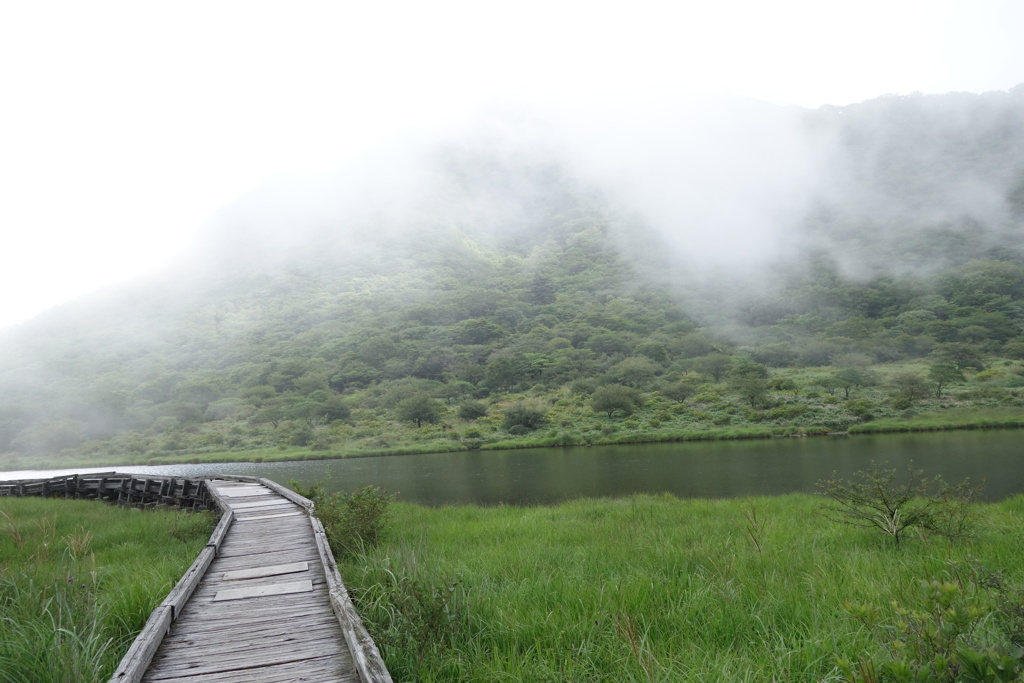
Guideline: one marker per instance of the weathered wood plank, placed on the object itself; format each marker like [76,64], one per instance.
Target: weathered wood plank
[334,668]
[272,503]
[242,491]
[303,586]
[194,661]
[238,641]
[260,625]
[251,518]
[259,572]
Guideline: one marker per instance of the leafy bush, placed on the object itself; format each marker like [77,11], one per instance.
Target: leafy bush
[521,418]
[353,521]
[860,407]
[938,642]
[471,410]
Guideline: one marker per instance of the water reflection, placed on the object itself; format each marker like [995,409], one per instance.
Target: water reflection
[712,469]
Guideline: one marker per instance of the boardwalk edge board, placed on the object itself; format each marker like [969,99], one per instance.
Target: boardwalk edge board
[140,654]
[369,663]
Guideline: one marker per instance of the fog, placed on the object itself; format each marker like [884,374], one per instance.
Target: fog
[425,258]
[733,187]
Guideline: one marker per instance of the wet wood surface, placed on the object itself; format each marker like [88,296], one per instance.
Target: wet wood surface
[262,611]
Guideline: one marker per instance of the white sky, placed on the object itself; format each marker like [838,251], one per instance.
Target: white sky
[124,125]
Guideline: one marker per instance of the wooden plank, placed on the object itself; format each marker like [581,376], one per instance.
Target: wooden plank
[275,502]
[261,591]
[133,665]
[239,639]
[259,572]
[288,493]
[254,627]
[241,492]
[196,661]
[333,668]
[297,513]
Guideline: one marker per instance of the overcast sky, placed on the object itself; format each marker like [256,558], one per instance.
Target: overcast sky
[125,125]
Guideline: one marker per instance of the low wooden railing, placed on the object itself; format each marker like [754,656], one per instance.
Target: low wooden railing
[123,489]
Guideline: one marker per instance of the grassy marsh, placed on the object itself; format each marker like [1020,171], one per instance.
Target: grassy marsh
[653,588]
[78,579]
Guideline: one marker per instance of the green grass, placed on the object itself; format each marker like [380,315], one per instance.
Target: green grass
[651,588]
[78,579]
[991,418]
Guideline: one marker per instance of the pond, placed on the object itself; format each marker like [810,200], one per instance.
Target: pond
[718,469]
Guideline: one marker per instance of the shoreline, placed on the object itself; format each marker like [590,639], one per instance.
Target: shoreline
[924,423]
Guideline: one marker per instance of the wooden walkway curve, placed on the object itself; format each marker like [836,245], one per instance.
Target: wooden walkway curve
[265,605]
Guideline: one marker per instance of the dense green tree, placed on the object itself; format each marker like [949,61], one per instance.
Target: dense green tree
[456,390]
[715,365]
[471,410]
[335,408]
[655,350]
[610,343]
[635,371]
[478,331]
[1014,349]
[961,355]
[615,398]
[681,389]
[910,385]
[751,388]
[749,380]
[504,372]
[419,409]
[851,377]
[944,374]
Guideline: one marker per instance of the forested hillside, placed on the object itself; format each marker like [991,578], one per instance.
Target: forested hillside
[492,294]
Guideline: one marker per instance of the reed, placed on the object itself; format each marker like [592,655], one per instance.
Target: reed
[78,579]
[649,588]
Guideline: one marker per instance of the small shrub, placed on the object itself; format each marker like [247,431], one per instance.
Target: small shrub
[988,375]
[353,521]
[471,410]
[521,418]
[878,501]
[937,642]
[788,412]
[860,407]
[707,397]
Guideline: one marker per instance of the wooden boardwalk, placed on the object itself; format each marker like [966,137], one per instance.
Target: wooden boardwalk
[268,607]
[263,602]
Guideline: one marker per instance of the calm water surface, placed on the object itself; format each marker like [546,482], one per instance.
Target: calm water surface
[702,469]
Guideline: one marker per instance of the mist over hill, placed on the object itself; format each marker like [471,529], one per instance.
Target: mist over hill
[521,255]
